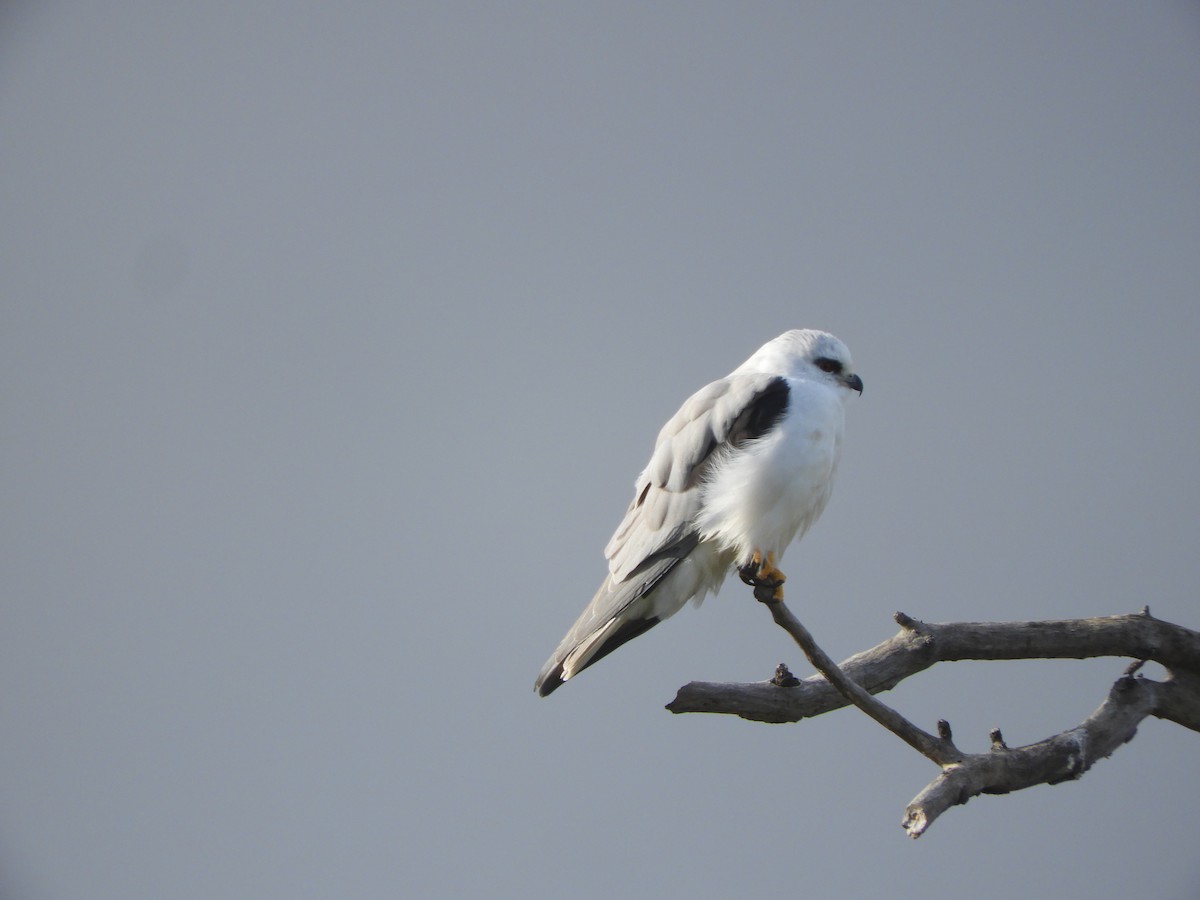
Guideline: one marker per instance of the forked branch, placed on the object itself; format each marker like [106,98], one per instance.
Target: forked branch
[939,749]
[1002,769]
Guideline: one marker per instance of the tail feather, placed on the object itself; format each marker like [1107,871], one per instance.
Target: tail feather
[554,674]
[617,614]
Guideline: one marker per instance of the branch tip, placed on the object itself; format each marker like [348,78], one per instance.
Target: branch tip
[1133,667]
[904,620]
[915,822]
[783,677]
[997,739]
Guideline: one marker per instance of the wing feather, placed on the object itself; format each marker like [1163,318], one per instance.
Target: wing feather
[659,527]
[604,625]
[667,494]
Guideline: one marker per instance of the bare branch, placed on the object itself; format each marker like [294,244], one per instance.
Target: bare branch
[1002,769]
[1060,758]
[919,645]
[1179,700]
[940,749]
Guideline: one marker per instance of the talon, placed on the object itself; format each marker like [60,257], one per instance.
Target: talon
[762,575]
[750,571]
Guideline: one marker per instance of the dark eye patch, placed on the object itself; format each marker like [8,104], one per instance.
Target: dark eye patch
[825,364]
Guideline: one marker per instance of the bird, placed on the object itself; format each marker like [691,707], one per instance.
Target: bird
[743,469]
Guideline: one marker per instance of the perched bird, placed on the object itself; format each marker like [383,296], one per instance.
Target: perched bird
[742,470]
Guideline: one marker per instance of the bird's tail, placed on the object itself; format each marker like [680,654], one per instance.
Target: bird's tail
[562,666]
[618,613]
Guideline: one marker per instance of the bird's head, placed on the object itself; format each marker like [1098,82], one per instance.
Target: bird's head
[807,353]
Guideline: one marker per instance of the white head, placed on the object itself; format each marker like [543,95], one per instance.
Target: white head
[809,354]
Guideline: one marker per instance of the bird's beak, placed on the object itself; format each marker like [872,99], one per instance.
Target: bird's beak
[853,382]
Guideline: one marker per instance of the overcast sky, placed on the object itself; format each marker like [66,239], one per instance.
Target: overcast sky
[334,335]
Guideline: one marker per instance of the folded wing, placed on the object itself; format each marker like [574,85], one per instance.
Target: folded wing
[659,526]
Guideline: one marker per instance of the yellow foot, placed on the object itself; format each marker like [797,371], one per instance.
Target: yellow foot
[762,575]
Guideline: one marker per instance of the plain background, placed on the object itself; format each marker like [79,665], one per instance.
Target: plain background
[334,335]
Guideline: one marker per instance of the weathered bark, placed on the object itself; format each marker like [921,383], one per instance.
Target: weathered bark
[919,645]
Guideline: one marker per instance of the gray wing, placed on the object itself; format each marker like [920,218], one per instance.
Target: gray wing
[667,494]
[659,526]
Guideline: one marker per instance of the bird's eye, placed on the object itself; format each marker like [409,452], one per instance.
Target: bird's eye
[825,364]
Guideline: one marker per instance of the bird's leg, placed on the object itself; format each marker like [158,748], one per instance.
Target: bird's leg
[762,575]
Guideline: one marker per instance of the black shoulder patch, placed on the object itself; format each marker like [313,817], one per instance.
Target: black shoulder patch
[766,409]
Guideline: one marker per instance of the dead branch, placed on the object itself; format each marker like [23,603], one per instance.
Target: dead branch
[938,749]
[1002,769]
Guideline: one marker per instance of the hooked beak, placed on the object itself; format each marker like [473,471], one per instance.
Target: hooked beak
[853,382]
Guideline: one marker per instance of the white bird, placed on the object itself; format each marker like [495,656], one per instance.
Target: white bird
[743,469]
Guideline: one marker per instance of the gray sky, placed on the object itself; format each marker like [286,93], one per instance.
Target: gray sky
[333,337]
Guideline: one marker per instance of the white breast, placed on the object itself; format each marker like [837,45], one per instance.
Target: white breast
[767,493]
